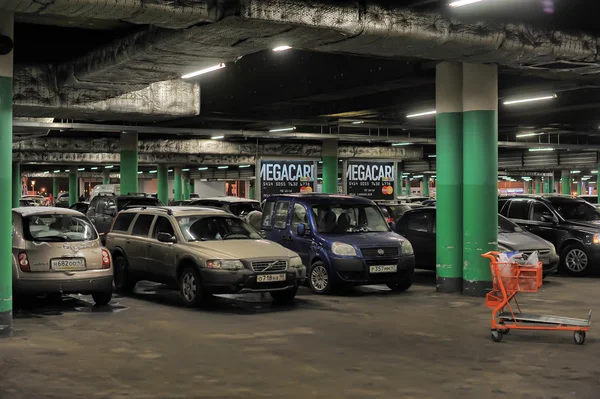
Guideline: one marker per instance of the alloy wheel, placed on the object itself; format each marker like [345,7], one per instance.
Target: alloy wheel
[189,287]
[319,278]
[576,260]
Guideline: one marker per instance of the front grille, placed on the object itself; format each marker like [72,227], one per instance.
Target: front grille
[380,252]
[543,252]
[269,266]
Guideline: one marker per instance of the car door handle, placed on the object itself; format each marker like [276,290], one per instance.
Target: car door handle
[128,242]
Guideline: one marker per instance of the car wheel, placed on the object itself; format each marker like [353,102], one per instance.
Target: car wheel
[102,298]
[124,283]
[319,279]
[284,297]
[190,287]
[575,260]
[401,286]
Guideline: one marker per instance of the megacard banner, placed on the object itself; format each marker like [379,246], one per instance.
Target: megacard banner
[373,180]
[286,177]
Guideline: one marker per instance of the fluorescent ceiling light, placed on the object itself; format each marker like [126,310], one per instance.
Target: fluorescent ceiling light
[94,168]
[594,171]
[282,48]
[80,169]
[204,168]
[140,172]
[58,171]
[217,137]
[528,100]
[432,156]
[421,114]
[185,170]
[397,144]
[109,167]
[575,171]
[46,172]
[358,122]
[541,149]
[460,3]
[170,170]
[529,134]
[417,176]
[203,71]
[320,162]
[244,166]
[152,171]
[222,167]
[283,129]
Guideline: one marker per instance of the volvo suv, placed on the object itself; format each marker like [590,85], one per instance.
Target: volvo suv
[200,251]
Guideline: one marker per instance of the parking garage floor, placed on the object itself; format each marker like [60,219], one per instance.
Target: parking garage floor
[367,343]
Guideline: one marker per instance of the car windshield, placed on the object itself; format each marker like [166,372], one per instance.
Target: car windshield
[349,218]
[244,208]
[506,226]
[58,228]
[575,210]
[129,202]
[211,228]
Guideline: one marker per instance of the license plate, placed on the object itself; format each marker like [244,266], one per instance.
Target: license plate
[383,269]
[67,264]
[269,278]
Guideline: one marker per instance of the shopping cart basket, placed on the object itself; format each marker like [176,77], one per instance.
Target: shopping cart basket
[509,278]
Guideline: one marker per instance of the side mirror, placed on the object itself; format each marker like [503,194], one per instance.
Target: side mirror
[392,226]
[549,219]
[302,230]
[166,237]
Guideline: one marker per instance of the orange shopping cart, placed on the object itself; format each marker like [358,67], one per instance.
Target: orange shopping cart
[509,278]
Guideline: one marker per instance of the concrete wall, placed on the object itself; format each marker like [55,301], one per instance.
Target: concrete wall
[209,188]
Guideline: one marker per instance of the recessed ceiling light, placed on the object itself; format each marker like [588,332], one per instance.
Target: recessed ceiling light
[94,168]
[109,167]
[203,168]
[58,171]
[152,171]
[217,137]
[185,170]
[432,156]
[140,172]
[421,114]
[528,100]
[80,169]
[398,144]
[203,71]
[244,166]
[222,167]
[358,122]
[282,48]
[283,129]
[541,149]
[460,3]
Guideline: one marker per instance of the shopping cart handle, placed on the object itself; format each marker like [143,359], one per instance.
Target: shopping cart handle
[491,255]
[590,316]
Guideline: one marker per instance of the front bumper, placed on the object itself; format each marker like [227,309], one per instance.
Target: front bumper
[83,282]
[356,270]
[550,264]
[244,280]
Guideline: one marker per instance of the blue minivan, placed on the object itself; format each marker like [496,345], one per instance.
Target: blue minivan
[342,240]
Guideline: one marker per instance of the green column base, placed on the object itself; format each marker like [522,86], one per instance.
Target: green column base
[6,324]
[449,285]
[476,288]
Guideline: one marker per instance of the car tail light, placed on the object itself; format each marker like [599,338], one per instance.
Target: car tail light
[24,262]
[105,259]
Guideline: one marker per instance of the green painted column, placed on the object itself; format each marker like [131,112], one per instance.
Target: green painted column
[186,187]
[73,185]
[251,194]
[530,187]
[177,184]
[538,185]
[546,184]
[399,180]
[565,181]
[425,185]
[330,167]
[106,176]
[551,185]
[129,162]
[407,187]
[163,183]
[480,174]
[55,188]
[6,189]
[449,186]
[17,183]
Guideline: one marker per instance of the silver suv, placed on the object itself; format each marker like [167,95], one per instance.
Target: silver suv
[200,251]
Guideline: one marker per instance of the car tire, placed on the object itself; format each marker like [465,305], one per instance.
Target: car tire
[401,286]
[124,282]
[190,287]
[284,297]
[102,298]
[319,279]
[575,260]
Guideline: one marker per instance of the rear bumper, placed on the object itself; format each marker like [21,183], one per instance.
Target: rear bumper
[242,281]
[79,283]
[356,271]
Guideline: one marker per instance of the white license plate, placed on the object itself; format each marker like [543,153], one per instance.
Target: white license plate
[67,264]
[269,278]
[383,269]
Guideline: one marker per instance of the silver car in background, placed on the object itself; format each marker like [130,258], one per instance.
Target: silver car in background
[57,250]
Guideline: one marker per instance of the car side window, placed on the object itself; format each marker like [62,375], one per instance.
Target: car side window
[419,222]
[300,215]
[539,210]
[281,215]
[501,204]
[163,225]
[267,216]
[142,225]
[92,207]
[519,209]
[123,221]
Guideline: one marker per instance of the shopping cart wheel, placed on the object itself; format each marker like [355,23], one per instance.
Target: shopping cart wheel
[579,337]
[496,336]
[505,331]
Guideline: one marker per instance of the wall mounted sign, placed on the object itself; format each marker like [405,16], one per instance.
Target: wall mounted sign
[286,177]
[373,180]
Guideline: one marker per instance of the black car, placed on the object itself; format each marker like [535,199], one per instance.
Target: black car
[238,206]
[592,199]
[80,207]
[393,211]
[571,224]
[103,208]
[419,227]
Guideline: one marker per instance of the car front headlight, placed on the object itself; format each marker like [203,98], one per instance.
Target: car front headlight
[296,262]
[407,248]
[596,239]
[225,264]
[552,248]
[339,248]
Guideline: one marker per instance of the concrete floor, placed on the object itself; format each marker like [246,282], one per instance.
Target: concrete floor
[368,343]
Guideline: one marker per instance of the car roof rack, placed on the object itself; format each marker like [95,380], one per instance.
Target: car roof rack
[159,208]
[139,194]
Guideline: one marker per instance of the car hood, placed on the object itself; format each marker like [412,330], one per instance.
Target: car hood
[592,225]
[522,241]
[366,239]
[241,249]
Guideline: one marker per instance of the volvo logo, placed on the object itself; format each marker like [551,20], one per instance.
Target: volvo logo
[381,252]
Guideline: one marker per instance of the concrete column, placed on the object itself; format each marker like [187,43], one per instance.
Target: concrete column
[163,183]
[106,176]
[552,185]
[538,185]
[81,186]
[17,182]
[330,166]
[480,175]
[55,188]
[449,191]
[129,162]
[344,179]
[7,194]
[73,185]
[177,183]
[425,185]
